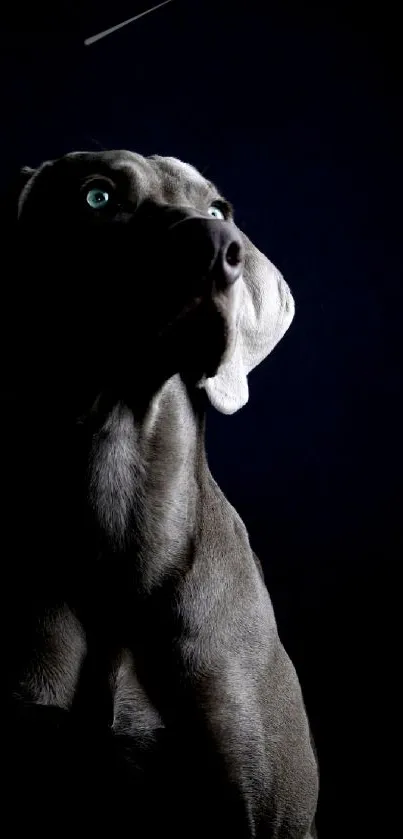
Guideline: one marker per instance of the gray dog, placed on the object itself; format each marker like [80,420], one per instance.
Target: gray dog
[145,648]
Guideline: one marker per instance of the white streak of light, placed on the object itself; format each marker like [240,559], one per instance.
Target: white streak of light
[100,35]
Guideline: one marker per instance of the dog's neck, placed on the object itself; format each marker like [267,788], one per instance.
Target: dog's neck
[144,466]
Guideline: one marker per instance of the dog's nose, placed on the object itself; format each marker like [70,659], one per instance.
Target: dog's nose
[227,263]
[210,248]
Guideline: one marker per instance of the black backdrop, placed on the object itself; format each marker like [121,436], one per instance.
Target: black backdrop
[294,113]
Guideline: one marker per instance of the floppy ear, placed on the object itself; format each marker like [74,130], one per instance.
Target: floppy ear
[266,309]
[10,291]
[26,174]
[10,198]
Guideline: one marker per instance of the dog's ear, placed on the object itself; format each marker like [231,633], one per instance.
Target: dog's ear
[266,309]
[26,174]
[10,198]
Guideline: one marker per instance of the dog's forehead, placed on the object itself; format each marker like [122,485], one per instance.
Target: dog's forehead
[151,175]
[175,168]
[125,162]
[178,180]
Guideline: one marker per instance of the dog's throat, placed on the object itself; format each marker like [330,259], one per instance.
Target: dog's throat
[115,476]
[141,479]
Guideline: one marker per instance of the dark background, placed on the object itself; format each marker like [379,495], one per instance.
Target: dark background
[294,113]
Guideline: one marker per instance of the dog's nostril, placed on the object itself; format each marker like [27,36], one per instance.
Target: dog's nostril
[230,263]
[233,255]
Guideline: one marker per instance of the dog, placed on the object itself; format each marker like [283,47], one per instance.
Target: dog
[146,684]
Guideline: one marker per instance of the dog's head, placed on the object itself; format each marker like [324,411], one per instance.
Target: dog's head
[130,263]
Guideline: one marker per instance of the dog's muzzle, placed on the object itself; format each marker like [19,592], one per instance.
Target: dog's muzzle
[191,264]
[205,254]
[210,248]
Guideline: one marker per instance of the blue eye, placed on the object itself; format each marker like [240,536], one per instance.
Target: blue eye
[97,198]
[216,212]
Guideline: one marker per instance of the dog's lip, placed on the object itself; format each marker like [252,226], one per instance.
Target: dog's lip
[206,301]
[199,327]
[188,310]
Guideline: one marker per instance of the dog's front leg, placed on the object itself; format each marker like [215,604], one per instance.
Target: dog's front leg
[252,744]
[249,757]
[52,672]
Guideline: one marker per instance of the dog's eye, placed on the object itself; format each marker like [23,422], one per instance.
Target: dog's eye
[216,211]
[97,198]
[220,208]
